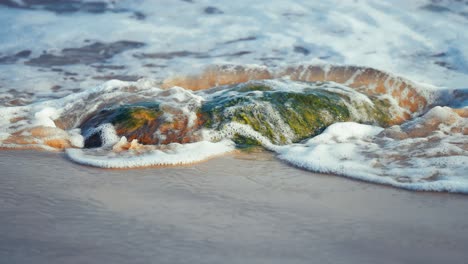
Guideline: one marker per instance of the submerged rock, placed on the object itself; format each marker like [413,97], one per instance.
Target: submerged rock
[286,116]
[282,111]
[149,123]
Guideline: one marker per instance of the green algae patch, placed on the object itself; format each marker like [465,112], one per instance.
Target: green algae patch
[214,111]
[381,113]
[307,114]
[253,116]
[130,116]
[134,117]
[244,142]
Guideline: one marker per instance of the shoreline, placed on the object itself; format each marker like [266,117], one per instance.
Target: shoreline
[257,154]
[231,209]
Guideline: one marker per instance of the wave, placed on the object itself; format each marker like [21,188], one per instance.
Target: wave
[409,95]
[348,120]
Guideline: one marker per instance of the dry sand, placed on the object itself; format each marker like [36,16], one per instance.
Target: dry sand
[233,209]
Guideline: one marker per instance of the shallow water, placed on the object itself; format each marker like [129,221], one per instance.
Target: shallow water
[233,209]
[43,54]
[386,59]
[404,139]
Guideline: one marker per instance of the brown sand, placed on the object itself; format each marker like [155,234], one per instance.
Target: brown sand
[233,209]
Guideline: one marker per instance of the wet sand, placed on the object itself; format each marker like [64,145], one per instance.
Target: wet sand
[232,209]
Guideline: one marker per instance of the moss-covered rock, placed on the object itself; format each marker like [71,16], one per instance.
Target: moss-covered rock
[308,113]
[281,115]
[146,122]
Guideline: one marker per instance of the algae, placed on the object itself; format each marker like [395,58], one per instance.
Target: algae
[306,113]
[132,117]
[281,116]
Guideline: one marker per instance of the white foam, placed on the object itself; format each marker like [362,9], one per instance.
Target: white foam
[45,117]
[108,134]
[343,131]
[358,151]
[175,154]
[233,128]
[76,139]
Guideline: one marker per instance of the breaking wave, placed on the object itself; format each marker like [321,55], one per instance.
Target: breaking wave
[352,121]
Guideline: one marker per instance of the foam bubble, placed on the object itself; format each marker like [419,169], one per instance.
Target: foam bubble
[45,117]
[76,139]
[108,134]
[340,132]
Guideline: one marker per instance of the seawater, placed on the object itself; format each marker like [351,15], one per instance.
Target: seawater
[414,145]
[192,87]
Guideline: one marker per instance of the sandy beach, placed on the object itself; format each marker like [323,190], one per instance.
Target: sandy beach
[233,209]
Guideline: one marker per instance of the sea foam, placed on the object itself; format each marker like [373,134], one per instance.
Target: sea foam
[436,162]
[172,154]
[428,152]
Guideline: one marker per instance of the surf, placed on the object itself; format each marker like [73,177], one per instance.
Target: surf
[352,121]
